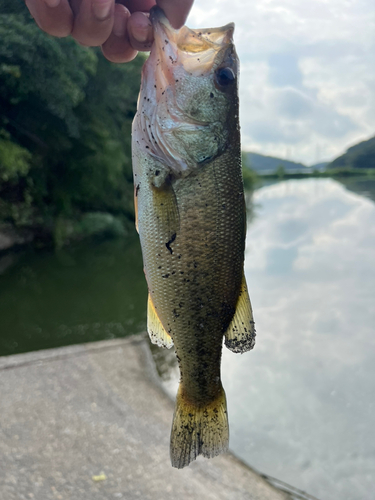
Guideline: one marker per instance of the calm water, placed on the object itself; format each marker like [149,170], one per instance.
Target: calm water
[301,404]
[82,294]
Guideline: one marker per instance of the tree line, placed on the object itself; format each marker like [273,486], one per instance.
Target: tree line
[65,127]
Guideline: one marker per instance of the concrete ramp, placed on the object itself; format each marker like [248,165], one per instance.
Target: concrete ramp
[90,422]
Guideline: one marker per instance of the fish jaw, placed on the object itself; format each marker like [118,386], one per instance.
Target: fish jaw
[181,112]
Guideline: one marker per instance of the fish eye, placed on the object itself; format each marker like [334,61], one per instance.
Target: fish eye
[225,76]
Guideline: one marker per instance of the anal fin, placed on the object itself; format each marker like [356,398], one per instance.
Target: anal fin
[155,329]
[240,334]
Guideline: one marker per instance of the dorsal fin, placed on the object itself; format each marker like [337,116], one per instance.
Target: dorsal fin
[240,334]
[155,329]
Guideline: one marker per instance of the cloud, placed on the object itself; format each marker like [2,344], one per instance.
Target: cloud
[309,268]
[284,70]
[307,84]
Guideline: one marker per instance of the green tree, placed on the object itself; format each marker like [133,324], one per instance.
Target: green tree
[280,171]
[65,123]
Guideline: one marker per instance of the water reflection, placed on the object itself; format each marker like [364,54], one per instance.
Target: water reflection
[85,293]
[301,404]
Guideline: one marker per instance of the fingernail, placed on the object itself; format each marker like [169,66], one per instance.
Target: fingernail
[101,8]
[142,35]
[52,3]
[119,26]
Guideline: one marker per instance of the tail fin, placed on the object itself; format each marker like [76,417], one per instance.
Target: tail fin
[198,430]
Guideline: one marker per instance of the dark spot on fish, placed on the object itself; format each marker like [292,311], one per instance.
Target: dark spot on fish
[165,275]
[166,41]
[137,190]
[157,172]
[176,81]
[155,86]
[168,244]
[211,95]
[147,147]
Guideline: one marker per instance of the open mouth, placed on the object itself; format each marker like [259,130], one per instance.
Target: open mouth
[194,51]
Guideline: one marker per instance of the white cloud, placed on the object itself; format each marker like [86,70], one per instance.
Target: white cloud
[307,84]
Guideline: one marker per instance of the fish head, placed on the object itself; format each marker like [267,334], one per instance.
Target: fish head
[188,105]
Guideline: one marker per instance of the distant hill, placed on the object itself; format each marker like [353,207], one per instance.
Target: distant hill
[361,155]
[264,165]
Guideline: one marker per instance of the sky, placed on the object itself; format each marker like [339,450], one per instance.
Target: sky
[307,83]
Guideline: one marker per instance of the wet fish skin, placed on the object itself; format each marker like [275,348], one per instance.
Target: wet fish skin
[191,221]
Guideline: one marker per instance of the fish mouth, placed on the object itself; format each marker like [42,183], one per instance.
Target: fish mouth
[196,51]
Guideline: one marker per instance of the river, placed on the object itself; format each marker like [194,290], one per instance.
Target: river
[301,404]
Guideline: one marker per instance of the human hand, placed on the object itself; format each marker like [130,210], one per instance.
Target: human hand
[121,29]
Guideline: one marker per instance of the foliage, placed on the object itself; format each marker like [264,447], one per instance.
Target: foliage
[65,124]
[280,171]
[14,159]
[361,156]
[250,177]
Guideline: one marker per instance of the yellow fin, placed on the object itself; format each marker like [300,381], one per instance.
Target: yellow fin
[240,334]
[198,430]
[155,329]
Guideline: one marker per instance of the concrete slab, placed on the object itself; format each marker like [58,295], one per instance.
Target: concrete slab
[96,411]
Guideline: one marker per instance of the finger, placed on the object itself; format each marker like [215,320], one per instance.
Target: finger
[117,48]
[140,31]
[93,21]
[176,11]
[138,5]
[55,17]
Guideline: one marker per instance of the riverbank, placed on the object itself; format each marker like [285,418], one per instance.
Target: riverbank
[90,422]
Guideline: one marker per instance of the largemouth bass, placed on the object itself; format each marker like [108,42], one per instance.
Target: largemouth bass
[190,212]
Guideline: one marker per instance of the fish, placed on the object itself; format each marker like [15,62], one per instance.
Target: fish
[191,220]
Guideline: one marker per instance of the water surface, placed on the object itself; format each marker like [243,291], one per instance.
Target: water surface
[89,292]
[301,404]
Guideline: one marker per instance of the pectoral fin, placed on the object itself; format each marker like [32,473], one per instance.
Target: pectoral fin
[155,329]
[166,213]
[240,335]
